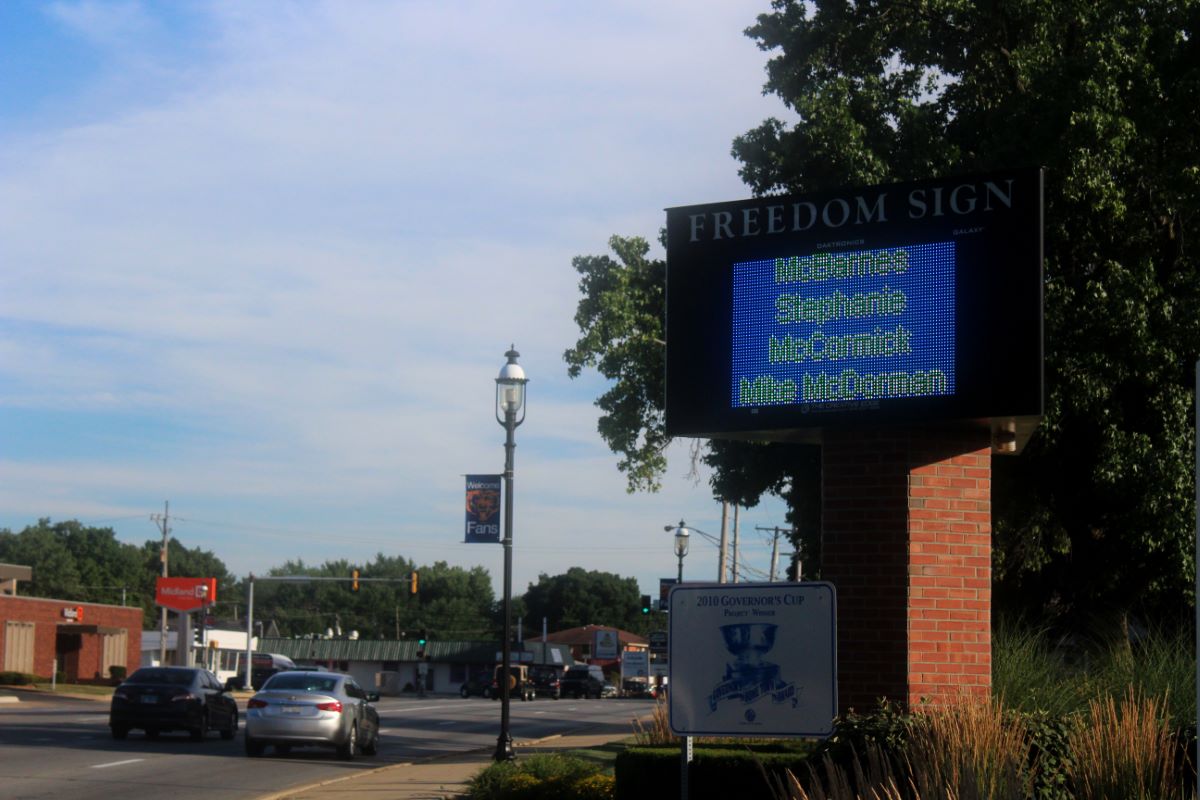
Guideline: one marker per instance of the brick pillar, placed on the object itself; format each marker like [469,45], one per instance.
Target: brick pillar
[906,541]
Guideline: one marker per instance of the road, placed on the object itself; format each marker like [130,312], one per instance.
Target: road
[56,747]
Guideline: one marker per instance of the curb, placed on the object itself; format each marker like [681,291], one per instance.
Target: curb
[297,790]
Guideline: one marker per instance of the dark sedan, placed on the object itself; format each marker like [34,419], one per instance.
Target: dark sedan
[157,699]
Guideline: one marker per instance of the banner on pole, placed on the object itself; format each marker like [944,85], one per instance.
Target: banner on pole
[483,509]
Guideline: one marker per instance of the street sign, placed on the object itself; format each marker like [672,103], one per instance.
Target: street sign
[658,642]
[753,660]
[185,594]
[664,589]
[635,664]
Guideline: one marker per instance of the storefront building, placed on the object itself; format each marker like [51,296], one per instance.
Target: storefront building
[86,640]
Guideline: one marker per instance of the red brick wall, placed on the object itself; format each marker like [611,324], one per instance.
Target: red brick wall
[49,621]
[906,541]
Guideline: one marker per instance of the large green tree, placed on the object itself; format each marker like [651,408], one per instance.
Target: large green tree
[1096,515]
[450,603]
[581,597]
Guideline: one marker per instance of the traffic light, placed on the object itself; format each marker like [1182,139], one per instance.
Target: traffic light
[645,604]
[413,588]
[354,581]
[421,644]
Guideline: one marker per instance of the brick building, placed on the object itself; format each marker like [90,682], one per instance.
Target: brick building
[87,639]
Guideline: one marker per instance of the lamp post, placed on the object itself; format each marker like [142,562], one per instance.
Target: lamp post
[682,540]
[510,401]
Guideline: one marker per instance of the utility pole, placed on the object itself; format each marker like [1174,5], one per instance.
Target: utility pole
[162,521]
[735,544]
[775,547]
[721,564]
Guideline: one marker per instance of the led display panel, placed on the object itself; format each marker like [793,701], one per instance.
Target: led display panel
[909,302]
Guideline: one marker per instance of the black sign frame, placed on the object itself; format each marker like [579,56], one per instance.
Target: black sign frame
[995,221]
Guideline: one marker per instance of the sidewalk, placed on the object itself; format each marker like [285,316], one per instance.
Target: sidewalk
[431,779]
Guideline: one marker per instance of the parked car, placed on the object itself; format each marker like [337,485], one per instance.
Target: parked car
[308,708]
[582,680]
[609,690]
[157,699]
[264,665]
[477,686]
[632,687]
[519,684]
[545,681]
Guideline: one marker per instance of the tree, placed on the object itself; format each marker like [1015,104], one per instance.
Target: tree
[584,597]
[1096,514]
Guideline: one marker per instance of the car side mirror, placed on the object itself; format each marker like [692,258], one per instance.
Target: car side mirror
[372,697]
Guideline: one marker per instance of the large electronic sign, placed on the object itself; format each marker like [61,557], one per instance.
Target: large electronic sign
[917,302]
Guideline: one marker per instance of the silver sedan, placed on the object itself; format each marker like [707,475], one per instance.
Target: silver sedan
[323,709]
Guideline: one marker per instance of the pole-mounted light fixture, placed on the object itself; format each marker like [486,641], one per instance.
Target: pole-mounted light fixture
[510,401]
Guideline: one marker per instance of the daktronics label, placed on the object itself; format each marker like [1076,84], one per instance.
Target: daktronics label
[831,327]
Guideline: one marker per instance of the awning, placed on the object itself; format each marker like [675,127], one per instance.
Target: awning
[71,627]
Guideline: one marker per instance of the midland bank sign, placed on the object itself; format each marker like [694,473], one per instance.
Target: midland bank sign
[185,594]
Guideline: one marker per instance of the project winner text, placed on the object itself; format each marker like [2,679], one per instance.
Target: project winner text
[883,340]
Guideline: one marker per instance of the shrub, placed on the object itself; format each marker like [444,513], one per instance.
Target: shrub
[538,777]
[658,732]
[10,678]
[1126,751]
[594,787]
[117,673]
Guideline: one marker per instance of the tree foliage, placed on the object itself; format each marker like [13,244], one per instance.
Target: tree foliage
[621,318]
[584,597]
[1096,515]
[451,602]
[73,561]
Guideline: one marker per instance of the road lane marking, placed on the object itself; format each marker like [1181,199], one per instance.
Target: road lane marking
[117,763]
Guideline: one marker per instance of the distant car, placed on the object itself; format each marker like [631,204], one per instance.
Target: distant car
[157,699]
[546,681]
[477,686]
[264,665]
[608,690]
[636,688]
[582,680]
[308,708]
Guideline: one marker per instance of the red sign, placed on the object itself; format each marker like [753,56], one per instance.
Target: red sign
[185,594]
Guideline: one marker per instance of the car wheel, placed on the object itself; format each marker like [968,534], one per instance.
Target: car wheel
[348,748]
[254,748]
[151,733]
[283,749]
[119,732]
[201,732]
[231,731]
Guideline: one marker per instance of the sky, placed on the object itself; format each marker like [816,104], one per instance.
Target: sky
[263,260]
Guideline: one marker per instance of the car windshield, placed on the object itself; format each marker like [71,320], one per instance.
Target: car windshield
[173,677]
[299,681]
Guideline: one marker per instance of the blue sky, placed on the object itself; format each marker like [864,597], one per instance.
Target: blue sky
[263,260]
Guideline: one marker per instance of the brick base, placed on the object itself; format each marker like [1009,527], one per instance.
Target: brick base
[906,541]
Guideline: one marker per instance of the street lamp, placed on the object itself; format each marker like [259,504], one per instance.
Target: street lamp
[510,401]
[682,539]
